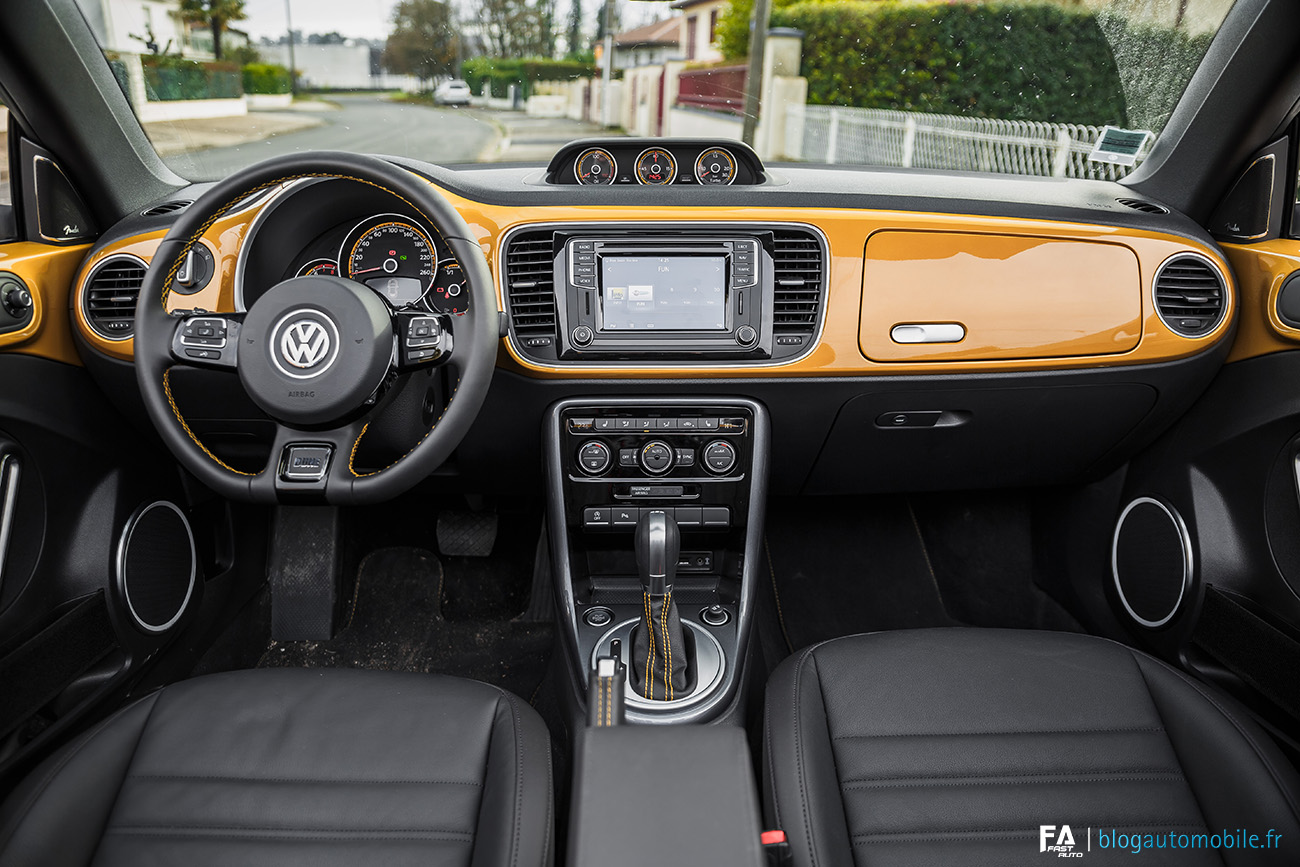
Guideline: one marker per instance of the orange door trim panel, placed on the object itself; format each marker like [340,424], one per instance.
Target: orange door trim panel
[49,273]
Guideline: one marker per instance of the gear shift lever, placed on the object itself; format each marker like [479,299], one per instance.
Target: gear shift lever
[658,543]
[659,653]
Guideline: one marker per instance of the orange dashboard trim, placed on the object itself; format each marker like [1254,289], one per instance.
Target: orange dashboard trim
[49,272]
[838,353]
[1261,270]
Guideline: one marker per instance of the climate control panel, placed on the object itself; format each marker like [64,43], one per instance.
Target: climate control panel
[692,460]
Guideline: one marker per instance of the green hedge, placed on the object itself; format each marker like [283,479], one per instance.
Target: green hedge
[168,78]
[266,78]
[502,72]
[1008,60]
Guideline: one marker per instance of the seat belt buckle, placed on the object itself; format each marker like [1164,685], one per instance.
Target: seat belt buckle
[776,849]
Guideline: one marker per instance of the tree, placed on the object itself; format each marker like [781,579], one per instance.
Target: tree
[573,37]
[217,14]
[423,42]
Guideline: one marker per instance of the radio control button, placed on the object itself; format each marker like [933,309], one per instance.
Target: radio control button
[583,335]
[746,335]
[594,457]
[657,457]
[719,456]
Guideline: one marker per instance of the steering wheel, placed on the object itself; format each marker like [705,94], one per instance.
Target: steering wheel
[313,352]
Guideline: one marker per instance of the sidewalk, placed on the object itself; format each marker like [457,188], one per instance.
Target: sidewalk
[172,137]
[532,139]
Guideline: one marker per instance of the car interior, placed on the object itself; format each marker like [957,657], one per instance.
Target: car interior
[356,509]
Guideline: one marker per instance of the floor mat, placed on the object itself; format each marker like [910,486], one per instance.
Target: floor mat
[395,623]
[839,565]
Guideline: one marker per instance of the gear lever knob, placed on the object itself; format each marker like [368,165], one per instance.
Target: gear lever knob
[658,542]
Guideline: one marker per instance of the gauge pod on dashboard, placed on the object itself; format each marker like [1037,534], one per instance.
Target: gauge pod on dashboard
[656,162]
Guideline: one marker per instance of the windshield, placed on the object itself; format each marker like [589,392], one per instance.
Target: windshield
[1071,88]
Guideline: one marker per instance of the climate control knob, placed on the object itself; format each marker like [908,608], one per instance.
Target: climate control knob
[595,457]
[657,457]
[719,457]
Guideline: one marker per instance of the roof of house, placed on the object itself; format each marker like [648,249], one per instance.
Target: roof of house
[656,33]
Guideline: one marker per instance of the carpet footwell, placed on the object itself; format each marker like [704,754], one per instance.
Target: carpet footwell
[395,623]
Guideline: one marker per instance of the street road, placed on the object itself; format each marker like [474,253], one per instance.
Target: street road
[362,124]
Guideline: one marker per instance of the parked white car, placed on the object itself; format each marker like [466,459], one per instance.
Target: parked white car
[454,92]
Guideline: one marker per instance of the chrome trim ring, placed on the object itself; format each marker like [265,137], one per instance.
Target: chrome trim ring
[1189,562]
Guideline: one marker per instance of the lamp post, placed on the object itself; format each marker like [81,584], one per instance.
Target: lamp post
[607,74]
[293,72]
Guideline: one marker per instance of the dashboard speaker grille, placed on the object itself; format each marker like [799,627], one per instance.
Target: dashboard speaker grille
[1189,293]
[798,272]
[157,565]
[530,284]
[1151,561]
[110,296]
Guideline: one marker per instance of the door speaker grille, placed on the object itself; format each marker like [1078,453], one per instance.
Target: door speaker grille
[1151,561]
[157,566]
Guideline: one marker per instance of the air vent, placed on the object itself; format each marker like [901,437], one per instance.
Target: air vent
[167,208]
[1190,294]
[110,295]
[797,277]
[1144,207]
[530,288]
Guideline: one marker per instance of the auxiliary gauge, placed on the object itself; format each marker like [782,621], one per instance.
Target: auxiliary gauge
[656,167]
[595,166]
[449,295]
[319,266]
[716,166]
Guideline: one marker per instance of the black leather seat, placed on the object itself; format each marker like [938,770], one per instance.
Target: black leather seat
[953,746]
[295,767]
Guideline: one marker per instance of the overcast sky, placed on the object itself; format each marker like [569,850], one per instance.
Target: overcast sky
[371,19]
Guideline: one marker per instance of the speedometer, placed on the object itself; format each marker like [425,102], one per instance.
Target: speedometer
[391,255]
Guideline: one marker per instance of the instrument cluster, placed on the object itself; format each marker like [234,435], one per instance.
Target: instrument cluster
[404,262]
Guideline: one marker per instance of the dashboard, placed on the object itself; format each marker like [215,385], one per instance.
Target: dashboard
[661,162]
[905,331]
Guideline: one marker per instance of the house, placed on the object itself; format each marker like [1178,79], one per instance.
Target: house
[649,45]
[699,29]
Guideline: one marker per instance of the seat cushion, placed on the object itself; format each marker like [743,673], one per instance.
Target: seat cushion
[312,767]
[954,746]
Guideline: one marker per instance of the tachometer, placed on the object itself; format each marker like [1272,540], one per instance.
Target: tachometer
[319,266]
[655,167]
[595,166]
[715,166]
[449,293]
[391,255]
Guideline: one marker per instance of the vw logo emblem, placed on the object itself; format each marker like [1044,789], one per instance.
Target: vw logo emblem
[304,343]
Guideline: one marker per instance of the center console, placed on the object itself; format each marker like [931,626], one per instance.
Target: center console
[699,468]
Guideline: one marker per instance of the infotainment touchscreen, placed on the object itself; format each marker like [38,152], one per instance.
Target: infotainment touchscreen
[654,293]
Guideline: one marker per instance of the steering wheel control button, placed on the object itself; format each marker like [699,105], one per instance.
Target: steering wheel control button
[715,615]
[201,331]
[595,457]
[305,463]
[657,457]
[598,616]
[583,335]
[719,457]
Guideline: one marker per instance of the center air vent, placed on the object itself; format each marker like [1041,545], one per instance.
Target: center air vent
[1190,294]
[166,208]
[110,295]
[798,271]
[530,290]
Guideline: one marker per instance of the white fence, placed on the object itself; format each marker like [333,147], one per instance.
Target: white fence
[880,137]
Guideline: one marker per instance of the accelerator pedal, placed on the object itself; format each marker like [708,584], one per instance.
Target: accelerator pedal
[465,533]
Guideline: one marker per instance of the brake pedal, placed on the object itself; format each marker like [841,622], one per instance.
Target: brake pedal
[466,533]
